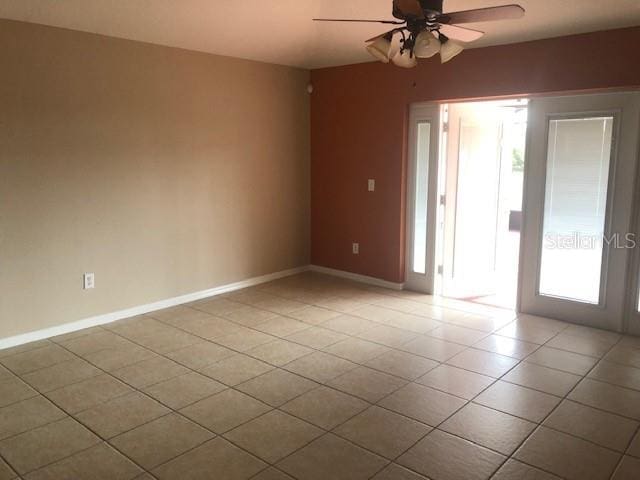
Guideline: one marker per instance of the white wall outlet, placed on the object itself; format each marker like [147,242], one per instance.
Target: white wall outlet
[88,281]
[355,248]
[371,184]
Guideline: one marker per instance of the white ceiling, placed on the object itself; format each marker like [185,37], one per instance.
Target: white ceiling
[281,31]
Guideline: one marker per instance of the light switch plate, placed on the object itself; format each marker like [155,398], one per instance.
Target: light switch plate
[371,185]
[355,248]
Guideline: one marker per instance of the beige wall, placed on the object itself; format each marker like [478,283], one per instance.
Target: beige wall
[163,171]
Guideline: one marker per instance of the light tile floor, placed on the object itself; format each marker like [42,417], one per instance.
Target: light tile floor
[313,377]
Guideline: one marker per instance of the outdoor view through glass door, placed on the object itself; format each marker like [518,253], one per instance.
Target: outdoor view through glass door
[481,171]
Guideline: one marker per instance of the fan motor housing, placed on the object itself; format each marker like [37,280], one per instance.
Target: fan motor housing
[431,5]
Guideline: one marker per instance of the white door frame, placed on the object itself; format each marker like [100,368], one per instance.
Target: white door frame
[422,113]
[632,314]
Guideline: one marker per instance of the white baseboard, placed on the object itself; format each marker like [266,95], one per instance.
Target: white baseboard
[141,309]
[357,277]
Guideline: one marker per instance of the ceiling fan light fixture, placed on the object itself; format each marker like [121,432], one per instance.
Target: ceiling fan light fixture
[426,30]
[380,48]
[427,45]
[405,59]
[449,49]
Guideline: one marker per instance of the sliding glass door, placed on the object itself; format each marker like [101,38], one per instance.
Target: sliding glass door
[579,183]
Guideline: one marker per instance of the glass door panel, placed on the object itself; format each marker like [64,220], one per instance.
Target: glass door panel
[423,135]
[578,159]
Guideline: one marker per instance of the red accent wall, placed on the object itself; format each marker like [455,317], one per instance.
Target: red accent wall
[359,119]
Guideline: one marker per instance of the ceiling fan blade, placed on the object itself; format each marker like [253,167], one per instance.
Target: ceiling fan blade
[407,8]
[505,12]
[460,33]
[392,22]
[382,35]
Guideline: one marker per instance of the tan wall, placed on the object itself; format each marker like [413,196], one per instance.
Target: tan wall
[163,171]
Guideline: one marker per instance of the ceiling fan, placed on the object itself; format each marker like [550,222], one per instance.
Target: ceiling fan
[425,30]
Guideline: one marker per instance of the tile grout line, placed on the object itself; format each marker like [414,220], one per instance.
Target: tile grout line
[467,402]
[275,338]
[515,365]
[325,431]
[360,365]
[285,339]
[277,367]
[364,365]
[170,412]
[624,454]
[507,457]
[126,431]
[189,419]
[540,424]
